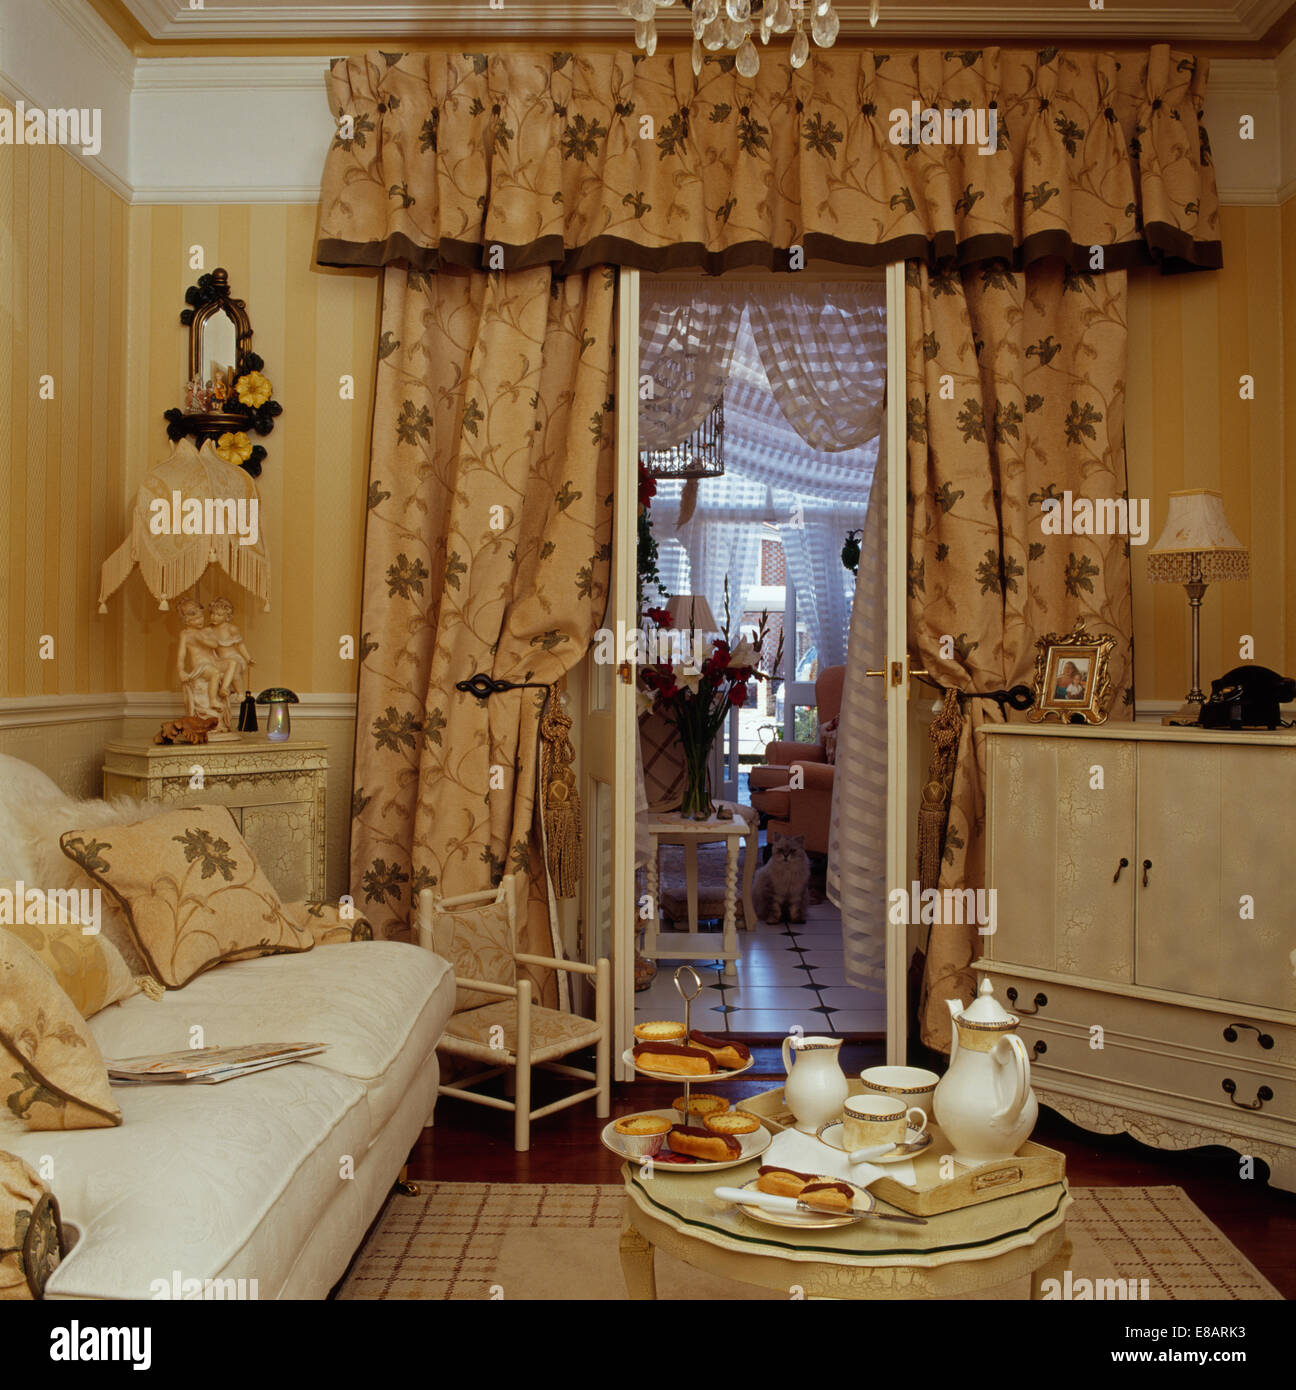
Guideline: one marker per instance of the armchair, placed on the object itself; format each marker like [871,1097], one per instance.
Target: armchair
[808,810]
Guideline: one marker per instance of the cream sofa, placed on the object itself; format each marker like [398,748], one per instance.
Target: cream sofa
[273,1177]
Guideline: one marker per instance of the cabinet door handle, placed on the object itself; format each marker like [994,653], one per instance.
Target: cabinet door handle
[1264,1039]
[1262,1095]
[1147,864]
[1041,1000]
[1038,1049]
[1124,864]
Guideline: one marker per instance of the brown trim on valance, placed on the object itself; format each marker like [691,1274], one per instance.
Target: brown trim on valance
[614,159]
[1165,246]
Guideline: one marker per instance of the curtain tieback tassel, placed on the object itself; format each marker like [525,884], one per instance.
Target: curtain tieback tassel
[934,808]
[561,807]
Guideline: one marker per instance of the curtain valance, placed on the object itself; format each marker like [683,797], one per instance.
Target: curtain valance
[511,160]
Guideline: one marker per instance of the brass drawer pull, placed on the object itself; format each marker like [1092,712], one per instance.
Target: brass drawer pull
[1262,1095]
[1147,864]
[1230,1034]
[1038,1050]
[1124,864]
[1040,1001]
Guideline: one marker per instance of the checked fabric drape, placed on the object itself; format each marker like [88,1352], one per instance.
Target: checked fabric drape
[487,549]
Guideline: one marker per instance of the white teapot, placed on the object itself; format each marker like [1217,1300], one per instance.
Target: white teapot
[984,1102]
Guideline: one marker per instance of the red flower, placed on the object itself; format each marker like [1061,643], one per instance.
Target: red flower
[647,487]
[738,694]
[660,616]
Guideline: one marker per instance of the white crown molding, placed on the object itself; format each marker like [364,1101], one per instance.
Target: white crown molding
[1241,75]
[29,711]
[96,34]
[1245,20]
[13,93]
[190,75]
[59,54]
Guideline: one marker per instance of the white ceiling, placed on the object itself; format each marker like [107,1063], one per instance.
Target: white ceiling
[1228,21]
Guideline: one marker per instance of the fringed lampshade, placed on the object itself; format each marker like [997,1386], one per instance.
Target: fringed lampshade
[172,560]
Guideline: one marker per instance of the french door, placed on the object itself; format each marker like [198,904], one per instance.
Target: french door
[609,727]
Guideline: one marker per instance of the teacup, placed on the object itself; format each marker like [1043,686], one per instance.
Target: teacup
[873,1118]
[911,1085]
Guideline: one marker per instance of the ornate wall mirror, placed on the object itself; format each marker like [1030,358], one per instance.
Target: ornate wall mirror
[226,394]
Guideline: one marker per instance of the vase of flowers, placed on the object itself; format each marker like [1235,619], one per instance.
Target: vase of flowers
[696,688]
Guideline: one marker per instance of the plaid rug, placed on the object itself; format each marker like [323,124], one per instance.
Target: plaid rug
[548,1241]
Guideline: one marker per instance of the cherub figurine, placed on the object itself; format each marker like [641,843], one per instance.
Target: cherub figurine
[199,667]
[232,654]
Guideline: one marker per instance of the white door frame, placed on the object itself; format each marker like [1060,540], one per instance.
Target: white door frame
[896,683]
[621,617]
[895,679]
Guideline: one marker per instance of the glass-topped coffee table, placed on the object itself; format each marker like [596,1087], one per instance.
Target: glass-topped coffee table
[970,1250]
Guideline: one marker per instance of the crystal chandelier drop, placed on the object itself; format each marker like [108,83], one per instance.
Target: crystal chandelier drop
[731,24]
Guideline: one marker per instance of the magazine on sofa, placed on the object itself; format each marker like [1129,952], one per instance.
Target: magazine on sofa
[208,1064]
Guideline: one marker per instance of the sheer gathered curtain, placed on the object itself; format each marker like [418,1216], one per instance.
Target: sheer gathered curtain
[857,831]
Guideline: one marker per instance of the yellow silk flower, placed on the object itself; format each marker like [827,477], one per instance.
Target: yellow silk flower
[253,389]
[234,448]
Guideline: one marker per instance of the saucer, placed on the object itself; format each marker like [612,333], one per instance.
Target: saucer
[919,1138]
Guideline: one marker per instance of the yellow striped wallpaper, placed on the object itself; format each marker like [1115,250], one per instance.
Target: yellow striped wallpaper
[312,326]
[1191,337]
[63,256]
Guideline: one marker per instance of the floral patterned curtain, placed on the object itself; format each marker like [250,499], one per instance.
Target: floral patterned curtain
[487,549]
[1015,393]
[508,160]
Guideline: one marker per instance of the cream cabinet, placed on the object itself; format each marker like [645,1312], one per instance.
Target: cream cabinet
[275,792]
[1144,929]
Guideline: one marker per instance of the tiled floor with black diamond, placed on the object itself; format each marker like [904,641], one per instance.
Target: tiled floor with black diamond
[786,975]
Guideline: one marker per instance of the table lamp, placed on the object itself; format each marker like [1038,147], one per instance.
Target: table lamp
[1196,547]
[692,613]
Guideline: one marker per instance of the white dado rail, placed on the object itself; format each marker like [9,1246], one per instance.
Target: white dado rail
[29,711]
[1144,929]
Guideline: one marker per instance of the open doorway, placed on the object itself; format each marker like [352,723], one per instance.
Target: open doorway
[772,504]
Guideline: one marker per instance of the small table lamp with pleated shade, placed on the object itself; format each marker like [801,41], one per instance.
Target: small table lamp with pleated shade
[692,613]
[1196,547]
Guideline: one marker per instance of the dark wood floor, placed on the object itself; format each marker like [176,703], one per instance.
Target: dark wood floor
[472,1143]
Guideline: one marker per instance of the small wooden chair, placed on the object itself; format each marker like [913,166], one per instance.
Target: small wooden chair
[476,932]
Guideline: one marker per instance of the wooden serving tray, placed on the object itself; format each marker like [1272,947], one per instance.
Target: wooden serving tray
[1031,1166]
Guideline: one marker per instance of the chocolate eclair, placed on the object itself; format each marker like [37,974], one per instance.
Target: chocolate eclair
[730,1055]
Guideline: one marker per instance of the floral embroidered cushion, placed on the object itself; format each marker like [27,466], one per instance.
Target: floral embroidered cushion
[327,924]
[31,1234]
[478,942]
[88,967]
[191,889]
[52,1075]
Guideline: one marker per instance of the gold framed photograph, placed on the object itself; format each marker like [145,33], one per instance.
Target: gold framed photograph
[1071,677]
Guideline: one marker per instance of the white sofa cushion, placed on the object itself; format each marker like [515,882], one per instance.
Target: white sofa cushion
[364,998]
[226,1181]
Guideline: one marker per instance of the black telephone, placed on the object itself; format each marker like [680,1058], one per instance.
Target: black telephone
[1247,697]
